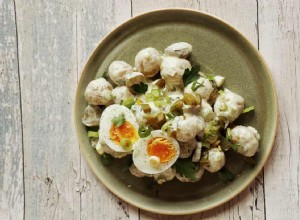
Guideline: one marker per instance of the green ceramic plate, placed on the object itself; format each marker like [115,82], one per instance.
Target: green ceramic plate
[220,49]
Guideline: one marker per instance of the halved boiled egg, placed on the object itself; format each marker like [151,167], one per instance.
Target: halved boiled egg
[156,153]
[118,128]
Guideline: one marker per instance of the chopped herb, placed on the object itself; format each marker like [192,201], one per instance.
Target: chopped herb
[170,116]
[225,175]
[127,164]
[155,92]
[106,159]
[190,76]
[149,97]
[160,103]
[166,126]
[144,131]
[119,120]
[129,102]
[93,134]
[210,77]
[226,144]
[196,85]
[221,92]
[228,134]
[140,88]
[186,168]
[251,108]
[126,144]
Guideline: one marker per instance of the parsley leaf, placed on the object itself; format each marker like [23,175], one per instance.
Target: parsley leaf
[106,159]
[225,175]
[119,120]
[140,88]
[251,108]
[186,168]
[190,75]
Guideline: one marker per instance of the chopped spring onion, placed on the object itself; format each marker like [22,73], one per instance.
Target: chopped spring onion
[225,175]
[251,108]
[166,125]
[126,144]
[144,131]
[155,92]
[129,102]
[149,97]
[93,134]
[170,116]
[228,134]
[160,103]
[210,77]
[119,120]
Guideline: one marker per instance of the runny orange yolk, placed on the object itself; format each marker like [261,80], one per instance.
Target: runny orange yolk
[162,148]
[125,131]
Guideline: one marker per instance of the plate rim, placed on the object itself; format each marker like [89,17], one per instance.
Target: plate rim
[272,135]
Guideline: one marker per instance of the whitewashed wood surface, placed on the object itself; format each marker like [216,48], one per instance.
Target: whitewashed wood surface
[43,47]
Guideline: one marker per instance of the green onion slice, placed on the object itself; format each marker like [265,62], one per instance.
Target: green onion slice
[144,131]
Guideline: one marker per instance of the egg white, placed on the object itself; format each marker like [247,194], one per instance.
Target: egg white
[141,157]
[106,123]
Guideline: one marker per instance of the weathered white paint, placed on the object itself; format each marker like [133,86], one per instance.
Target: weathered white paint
[47,57]
[11,156]
[54,40]
[279,34]
[96,201]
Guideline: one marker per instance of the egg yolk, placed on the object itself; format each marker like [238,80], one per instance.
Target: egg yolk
[162,148]
[125,131]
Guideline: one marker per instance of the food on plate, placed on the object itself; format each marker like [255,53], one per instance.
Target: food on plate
[170,118]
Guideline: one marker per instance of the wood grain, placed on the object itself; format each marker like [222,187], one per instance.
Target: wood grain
[11,152]
[43,47]
[48,72]
[96,201]
[279,28]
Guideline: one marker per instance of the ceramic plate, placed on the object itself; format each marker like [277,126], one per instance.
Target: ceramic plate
[220,49]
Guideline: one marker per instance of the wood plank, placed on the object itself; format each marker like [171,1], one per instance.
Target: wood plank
[279,39]
[47,52]
[11,152]
[96,201]
[250,203]
[243,16]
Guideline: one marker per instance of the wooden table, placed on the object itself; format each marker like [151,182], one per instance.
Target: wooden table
[43,47]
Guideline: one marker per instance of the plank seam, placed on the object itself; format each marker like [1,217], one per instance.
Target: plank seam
[258,47]
[20,100]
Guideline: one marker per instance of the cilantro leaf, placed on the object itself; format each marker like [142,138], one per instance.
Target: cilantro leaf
[225,175]
[140,88]
[186,168]
[119,120]
[190,76]
[251,108]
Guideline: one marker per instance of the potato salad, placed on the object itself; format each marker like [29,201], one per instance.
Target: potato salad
[171,119]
